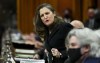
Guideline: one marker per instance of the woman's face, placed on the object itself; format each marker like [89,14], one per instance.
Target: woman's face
[47,16]
[73,42]
[74,50]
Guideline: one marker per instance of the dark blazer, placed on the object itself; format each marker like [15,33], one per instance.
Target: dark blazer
[96,24]
[92,60]
[85,60]
[57,40]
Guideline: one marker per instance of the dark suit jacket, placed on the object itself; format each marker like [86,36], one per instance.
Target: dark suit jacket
[92,60]
[57,40]
[96,23]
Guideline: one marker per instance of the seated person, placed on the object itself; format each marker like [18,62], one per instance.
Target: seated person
[83,46]
[33,39]
[68,15]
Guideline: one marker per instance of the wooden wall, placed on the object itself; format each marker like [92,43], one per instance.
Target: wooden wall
[85,5]
[98,4]
[25,15]
[26,10]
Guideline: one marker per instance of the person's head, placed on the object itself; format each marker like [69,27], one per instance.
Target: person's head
[81,42]
[91,12]
[67,13]
[77,24]
[45,14]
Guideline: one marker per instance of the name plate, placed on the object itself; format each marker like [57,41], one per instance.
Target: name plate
[32,61]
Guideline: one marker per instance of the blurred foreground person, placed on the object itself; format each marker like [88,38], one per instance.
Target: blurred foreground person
[83,46]
[32,39]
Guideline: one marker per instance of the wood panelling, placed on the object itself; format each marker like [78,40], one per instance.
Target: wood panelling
[74,5]
[76,9]
[25,15]
[26,10]
[98,4]
[63,4]
[86,4]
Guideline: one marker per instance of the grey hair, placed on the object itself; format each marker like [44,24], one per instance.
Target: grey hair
[97,32]
[86,37]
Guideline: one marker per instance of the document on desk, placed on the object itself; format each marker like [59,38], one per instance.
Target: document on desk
[32,61]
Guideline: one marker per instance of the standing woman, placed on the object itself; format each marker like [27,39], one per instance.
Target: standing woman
[55,31]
